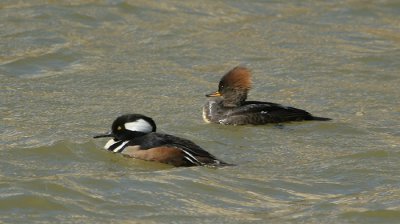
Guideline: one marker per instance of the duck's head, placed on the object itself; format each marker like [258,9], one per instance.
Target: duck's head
[129,126]
[234,86]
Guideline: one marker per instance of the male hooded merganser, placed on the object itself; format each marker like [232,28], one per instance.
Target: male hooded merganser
[229,106]
[134,136]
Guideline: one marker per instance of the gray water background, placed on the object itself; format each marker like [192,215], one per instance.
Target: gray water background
[68,68]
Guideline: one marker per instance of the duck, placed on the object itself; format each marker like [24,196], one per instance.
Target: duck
[229,106]
[135,136]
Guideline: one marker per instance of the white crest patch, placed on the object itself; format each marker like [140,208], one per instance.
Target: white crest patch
[139,125]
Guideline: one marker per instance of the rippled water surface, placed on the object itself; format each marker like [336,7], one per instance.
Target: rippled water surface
[69,68]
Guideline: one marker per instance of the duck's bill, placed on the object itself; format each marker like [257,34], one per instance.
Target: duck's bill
[106,135]
[214,94]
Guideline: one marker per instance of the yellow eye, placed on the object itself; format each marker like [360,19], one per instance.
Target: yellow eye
[119,128]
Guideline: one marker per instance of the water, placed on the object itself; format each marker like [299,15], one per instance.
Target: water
[68,69]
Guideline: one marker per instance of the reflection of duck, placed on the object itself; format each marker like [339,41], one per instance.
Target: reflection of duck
[134,136]
[229,106]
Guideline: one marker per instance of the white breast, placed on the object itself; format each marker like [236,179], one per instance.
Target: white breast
[109,144]
[112,142]
[205,118]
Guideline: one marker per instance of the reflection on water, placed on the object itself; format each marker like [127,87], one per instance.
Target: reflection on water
[68,69]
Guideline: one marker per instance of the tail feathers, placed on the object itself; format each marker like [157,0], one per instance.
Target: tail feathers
[321,118]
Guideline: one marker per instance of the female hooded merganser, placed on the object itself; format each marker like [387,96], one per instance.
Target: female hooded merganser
[134,136]
[229,106]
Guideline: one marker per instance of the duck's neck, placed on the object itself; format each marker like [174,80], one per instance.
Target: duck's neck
[234,98]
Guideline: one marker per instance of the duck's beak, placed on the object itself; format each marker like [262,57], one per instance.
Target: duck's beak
[213,94]
[108,134]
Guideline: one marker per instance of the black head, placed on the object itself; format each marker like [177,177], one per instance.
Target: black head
[128,126]
[234,86]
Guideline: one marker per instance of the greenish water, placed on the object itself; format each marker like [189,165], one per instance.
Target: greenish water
[68,69]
